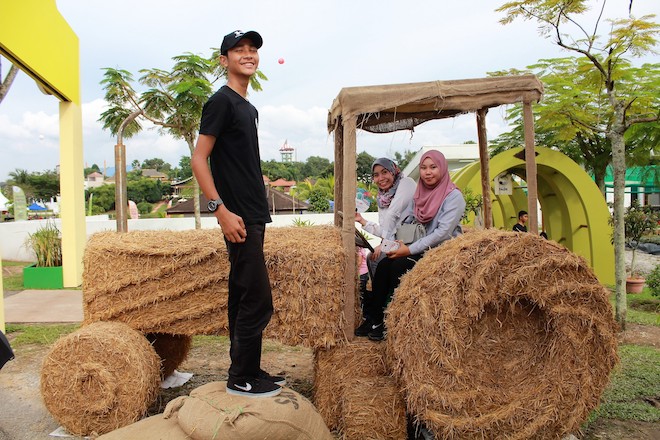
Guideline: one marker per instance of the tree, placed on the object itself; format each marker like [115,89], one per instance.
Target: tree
[574,103]
[364,161]
[318,201]
[156,164]
[626,37]
[5,84]
[173,100]
[183,171]
[404,159]
[317,166]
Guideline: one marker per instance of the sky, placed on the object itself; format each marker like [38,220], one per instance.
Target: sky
[326,46]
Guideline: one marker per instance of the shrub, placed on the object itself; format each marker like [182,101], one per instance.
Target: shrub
[46,242]
[653,281]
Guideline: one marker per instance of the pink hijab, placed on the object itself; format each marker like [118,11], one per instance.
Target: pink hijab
[429,200]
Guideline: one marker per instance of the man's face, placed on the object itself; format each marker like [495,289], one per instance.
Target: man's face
[524,218]
[242,59]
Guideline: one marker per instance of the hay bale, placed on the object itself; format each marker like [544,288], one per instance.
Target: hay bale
[99,378]
[176,282]
[171,349]
[373,408]
[499,334]
[359,359]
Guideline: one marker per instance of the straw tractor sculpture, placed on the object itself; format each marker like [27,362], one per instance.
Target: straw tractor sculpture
[493,334]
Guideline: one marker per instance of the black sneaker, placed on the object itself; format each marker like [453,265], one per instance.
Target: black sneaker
[377,333]
[253,388]
[277,380]
[364,328]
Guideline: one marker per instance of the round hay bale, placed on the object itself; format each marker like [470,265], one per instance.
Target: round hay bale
[172,350]
[373,408]
[360,358]
[100,378]
[501,335]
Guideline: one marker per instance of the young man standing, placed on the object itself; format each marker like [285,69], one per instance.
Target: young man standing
[522,219]
[234,185]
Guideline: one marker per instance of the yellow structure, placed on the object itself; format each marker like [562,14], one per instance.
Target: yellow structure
[35,37]
[574,212]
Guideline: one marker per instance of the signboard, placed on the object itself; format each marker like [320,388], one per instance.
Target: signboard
[503,185]
[20,204]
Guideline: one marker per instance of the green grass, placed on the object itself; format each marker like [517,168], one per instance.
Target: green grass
[40,334]
[640,308]
[635,379]
[13,282]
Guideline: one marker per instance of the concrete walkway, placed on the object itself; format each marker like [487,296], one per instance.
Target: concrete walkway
[43,306]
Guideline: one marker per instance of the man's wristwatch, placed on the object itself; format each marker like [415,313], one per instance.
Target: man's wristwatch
[215,204]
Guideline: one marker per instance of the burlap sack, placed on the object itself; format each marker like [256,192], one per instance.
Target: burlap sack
[151,428]
[209,413]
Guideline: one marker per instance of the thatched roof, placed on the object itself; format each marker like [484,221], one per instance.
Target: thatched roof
[387,108]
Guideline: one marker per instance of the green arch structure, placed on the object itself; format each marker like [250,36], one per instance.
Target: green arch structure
[574,212]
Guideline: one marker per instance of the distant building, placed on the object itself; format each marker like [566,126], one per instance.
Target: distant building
[94,180]
[287,152]
[153,174]
[286,185]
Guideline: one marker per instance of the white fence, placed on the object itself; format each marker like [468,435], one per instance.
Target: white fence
[14,234]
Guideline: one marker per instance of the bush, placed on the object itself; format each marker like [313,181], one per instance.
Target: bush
[144,207]
[46,243]
[653,281]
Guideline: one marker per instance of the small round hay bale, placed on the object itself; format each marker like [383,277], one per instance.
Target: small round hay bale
[100,378]
[172,350]
[360,358]
[501,335]
[373,408]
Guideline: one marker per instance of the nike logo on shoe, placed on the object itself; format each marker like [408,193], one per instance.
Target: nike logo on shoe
[374,327]
[247,386]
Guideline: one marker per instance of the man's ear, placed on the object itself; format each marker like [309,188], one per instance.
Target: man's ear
[224,61]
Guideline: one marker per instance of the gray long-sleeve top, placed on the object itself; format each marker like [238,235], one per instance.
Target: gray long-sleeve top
[445,225]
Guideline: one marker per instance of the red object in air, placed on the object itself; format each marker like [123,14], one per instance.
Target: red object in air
[281,61]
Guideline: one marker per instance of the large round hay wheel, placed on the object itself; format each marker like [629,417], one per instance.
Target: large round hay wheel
[100,378]
[498,334]
[172,350]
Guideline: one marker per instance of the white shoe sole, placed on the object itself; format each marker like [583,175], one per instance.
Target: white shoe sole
[251,394]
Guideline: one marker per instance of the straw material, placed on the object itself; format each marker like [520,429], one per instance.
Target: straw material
[99,378]
[373,409]
[175,282]
[358,359]
[501,335]
[172,350]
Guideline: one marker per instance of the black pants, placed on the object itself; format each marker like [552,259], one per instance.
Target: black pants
[250,303]
[386,279]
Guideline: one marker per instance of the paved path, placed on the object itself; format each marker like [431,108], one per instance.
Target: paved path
[43,306]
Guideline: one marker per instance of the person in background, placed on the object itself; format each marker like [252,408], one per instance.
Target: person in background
[520,224]
[234,185]
[438,205]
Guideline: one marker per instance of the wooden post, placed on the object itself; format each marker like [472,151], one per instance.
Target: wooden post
[349,183]
[486,208]
[530,167]
[339,170]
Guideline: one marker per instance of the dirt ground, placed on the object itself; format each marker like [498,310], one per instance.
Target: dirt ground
[24,417]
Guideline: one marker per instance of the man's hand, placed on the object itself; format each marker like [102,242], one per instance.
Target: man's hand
[232,225]
[400,252]
[375,254]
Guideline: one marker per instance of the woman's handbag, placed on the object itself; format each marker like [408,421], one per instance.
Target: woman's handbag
[410,232]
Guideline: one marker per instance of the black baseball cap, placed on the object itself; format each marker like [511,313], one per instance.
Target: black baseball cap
[233,38]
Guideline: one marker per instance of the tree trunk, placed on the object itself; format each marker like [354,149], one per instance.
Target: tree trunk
[615,134]
[198,216]
[6,84]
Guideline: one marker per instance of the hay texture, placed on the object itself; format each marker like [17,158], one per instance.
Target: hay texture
[373,409]
[501,335]
[100,378]
[171,349]
[176,282]
[358,359]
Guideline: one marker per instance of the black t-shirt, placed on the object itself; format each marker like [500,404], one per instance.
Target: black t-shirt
[519,228]
[235,160]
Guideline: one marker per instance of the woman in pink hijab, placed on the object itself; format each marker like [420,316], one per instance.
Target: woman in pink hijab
[439,206]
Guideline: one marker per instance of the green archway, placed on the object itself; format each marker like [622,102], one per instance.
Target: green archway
[574,213]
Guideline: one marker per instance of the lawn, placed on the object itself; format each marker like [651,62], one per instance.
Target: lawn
[14,279]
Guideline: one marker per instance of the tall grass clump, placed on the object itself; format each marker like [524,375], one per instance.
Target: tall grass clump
[46,243]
